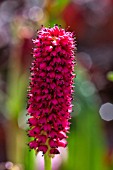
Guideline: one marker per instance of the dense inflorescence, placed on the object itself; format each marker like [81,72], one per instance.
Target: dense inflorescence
[51,88]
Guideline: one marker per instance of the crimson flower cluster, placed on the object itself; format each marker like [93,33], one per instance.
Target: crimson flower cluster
[51,88]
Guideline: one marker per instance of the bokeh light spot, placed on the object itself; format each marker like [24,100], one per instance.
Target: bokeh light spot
[106,111]
[36,13]
[87,89]
[110,75]
[9,165]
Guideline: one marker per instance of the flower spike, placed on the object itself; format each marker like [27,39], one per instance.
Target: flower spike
[50,90]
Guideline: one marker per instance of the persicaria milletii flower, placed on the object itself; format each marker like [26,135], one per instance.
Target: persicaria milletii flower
[51,88]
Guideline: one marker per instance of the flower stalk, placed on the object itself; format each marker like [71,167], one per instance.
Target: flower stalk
[47,162]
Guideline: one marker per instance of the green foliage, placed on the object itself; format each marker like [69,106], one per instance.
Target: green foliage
[29,157]
[16,95]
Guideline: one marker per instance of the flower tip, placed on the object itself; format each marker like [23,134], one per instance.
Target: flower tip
[55,24]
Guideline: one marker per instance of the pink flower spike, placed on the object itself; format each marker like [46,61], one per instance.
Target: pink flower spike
[50,90]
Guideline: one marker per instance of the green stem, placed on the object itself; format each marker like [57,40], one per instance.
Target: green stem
[47,162]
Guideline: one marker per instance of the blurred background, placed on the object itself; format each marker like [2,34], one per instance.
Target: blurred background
[90,142]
